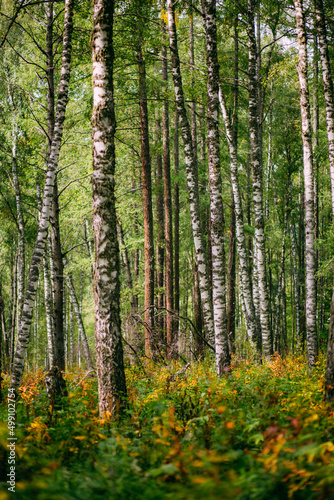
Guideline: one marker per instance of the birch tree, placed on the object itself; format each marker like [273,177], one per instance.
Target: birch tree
[252,326]
[256,163]
[192,177]
[311,325]
[215,185]
[28,305]
[329,106]
[109,350]
[47,290]
[81,328]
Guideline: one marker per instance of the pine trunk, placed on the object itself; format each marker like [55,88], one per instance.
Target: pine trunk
[171,341]
[147,208]
[159,326]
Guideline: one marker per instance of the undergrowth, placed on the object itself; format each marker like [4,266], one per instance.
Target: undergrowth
[260,432]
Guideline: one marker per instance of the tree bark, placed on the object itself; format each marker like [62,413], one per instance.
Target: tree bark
[256,161]
[295,285]
[160,230]
[127,267]
[171,341]
[48,301]
[311,324]
[231,303]
[81,328]
[329,105]
[21,231]
[147,207]
[58,283]
[192,177]
[109,349]
[19,212]
[27,312]
[215,185]
[176,224]
[252,326]
[57,258]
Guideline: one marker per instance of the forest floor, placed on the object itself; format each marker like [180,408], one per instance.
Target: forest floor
[260,432]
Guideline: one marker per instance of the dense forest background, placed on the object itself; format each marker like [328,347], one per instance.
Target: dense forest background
[25,88]
[210,241]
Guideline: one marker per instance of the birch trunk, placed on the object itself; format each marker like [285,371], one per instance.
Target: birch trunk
[192,178]
[27,312]
[215,185]
[328,87]
[21,231]
[252,326]
[20,219]
[256,162]
[82,332]
[197,303]
[176,224]
[311,325]
[13,310]
[231,302]
[58,283]
[109,350]
[329,105]
[295,285]
[56,253]
[47,291]
[48,307]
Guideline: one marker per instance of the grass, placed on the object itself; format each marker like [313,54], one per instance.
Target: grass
[260,432]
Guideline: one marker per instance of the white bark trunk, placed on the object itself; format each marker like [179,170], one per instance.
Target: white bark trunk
[47,292]
[215,186]
[311,326]
[27,312]
[255,133]
[328,88]
[253,328]
[109,350]
[81,328]
[192,179]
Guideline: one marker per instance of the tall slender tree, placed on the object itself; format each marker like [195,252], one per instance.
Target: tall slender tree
[192,177]
[147,204]
[252,325]
[255,133]
[215,184]
[311,324]
[27,311]
[171,341]
[109,350]
[329,105]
